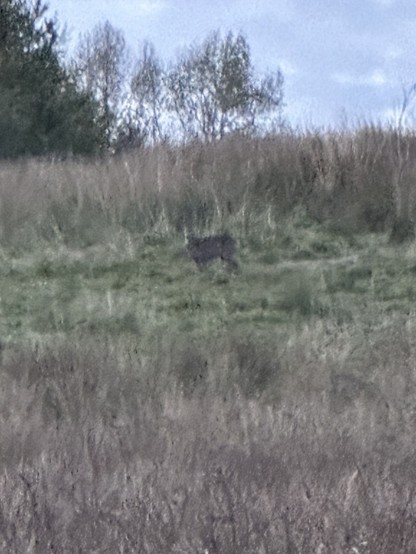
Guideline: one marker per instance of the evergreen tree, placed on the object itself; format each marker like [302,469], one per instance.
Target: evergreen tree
[41,111]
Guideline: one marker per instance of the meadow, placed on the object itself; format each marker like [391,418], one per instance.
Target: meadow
[150,406]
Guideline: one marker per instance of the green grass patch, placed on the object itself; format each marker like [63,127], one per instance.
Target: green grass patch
[154,285]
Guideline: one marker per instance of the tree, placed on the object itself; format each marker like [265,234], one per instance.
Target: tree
[40,109]
[403,225]
[148,96]
[99,67]
[143,113]
[213,89]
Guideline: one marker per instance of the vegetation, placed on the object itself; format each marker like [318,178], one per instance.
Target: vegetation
[41,111]
[151,405]
[148,405]
[96,103]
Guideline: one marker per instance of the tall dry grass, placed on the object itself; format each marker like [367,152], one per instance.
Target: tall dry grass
[103,450]
[354,180]
[237,444]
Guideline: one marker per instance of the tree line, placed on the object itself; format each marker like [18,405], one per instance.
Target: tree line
[106,99]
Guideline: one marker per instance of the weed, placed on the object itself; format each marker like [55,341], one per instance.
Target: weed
[298,297]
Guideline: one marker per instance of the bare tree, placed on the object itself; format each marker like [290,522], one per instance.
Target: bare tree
[148,98]
[403,226]
[213,89]
[100,66]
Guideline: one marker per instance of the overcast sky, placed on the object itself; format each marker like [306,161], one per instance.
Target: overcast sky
[338,57]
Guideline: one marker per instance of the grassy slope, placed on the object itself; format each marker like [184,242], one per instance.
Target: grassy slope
[144,285]
[146,406]
[209,402]
[308,332]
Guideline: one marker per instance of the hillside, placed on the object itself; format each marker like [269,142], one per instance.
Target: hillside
[151,406]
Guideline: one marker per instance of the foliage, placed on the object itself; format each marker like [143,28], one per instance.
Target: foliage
[40,110]
[213,90]
[97,103]
[210,91]
[99,67]
[144,123]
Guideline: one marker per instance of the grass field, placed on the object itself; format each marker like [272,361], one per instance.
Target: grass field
[142,285]
[148,406]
